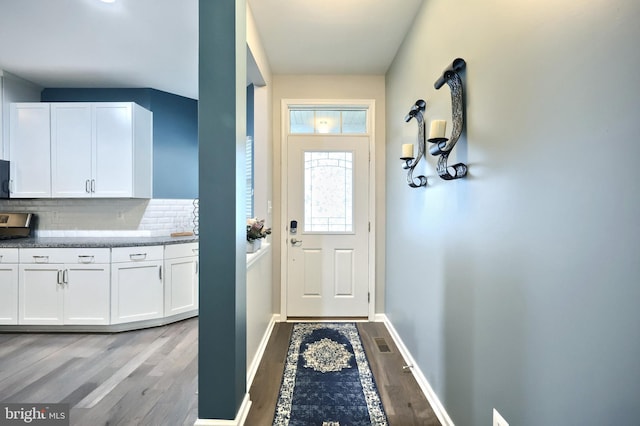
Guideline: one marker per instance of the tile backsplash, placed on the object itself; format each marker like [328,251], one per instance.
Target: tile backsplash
[111,217]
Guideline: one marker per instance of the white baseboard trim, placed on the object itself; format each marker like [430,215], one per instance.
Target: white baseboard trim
[241,417]
[431,396]
[255,362]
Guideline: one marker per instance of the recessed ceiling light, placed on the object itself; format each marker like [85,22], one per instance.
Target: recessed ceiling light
[108,1]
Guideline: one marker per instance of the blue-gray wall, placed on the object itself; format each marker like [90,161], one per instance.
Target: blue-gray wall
[175,133]
[222,124]
[518,287]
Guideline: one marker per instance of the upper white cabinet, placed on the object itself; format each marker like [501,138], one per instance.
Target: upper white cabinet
[29,150]
[94,150]
[122,160]
[71,149]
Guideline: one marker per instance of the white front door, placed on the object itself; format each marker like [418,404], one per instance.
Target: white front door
[328,250]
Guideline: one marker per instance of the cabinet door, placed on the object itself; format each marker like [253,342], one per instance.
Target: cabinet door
[71,154]
[30,150]
[9,292]
[113,159]
[136,291]
[180,285]
[41,294]
[87,294]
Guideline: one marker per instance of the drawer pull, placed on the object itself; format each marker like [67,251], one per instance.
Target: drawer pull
[60,277]
[138,256]
[86,259]
[41,259]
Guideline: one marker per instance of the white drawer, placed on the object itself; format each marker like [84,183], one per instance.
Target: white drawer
[172,251]
[9,255]
[136,254]
[65,255]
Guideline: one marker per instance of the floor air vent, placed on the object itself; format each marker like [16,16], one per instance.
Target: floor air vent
[382,344]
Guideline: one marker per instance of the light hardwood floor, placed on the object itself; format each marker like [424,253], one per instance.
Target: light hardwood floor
[145,377]
[149,377]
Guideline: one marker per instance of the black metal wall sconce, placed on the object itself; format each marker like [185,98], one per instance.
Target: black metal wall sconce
[440,144]
[411,162]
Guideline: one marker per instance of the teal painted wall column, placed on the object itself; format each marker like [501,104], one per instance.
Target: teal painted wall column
[221,132]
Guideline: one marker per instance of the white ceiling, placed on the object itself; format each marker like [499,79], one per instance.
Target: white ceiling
[332,36]
[154,43]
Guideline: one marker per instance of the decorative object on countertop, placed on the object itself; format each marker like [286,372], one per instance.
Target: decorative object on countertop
[196,216]
[256,231]
[182,234]
[253,246]
[440,146]
[411,162]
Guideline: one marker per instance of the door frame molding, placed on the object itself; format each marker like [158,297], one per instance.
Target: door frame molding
[369,105]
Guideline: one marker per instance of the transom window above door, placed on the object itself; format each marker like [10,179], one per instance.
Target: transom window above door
[310,120]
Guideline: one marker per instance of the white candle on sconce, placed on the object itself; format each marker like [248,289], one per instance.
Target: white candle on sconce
[437,129]
[407,150]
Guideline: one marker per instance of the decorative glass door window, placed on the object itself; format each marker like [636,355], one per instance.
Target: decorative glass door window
[328,191]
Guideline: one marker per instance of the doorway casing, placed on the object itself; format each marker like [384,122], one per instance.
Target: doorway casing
[369,106]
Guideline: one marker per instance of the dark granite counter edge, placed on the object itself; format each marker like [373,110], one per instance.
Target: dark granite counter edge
[94,242]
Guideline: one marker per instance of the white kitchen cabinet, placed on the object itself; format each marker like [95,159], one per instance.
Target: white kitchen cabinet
[9,286]
[71,149]
[30,150]
[123,159]
[136,284]
[101,150]
[180,278]
[64,286]
[40,294]
[87,294]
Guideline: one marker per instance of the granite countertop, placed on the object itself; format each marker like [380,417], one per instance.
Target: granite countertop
[93,242]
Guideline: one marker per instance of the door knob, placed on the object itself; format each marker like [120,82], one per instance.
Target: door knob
[295,242]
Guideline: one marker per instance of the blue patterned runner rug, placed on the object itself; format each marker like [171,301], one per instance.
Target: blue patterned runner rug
[327,380]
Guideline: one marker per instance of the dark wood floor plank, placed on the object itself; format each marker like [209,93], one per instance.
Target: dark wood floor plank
[401,396]
[266,383]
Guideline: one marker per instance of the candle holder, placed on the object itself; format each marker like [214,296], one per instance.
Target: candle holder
[416,112]
[444,146]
